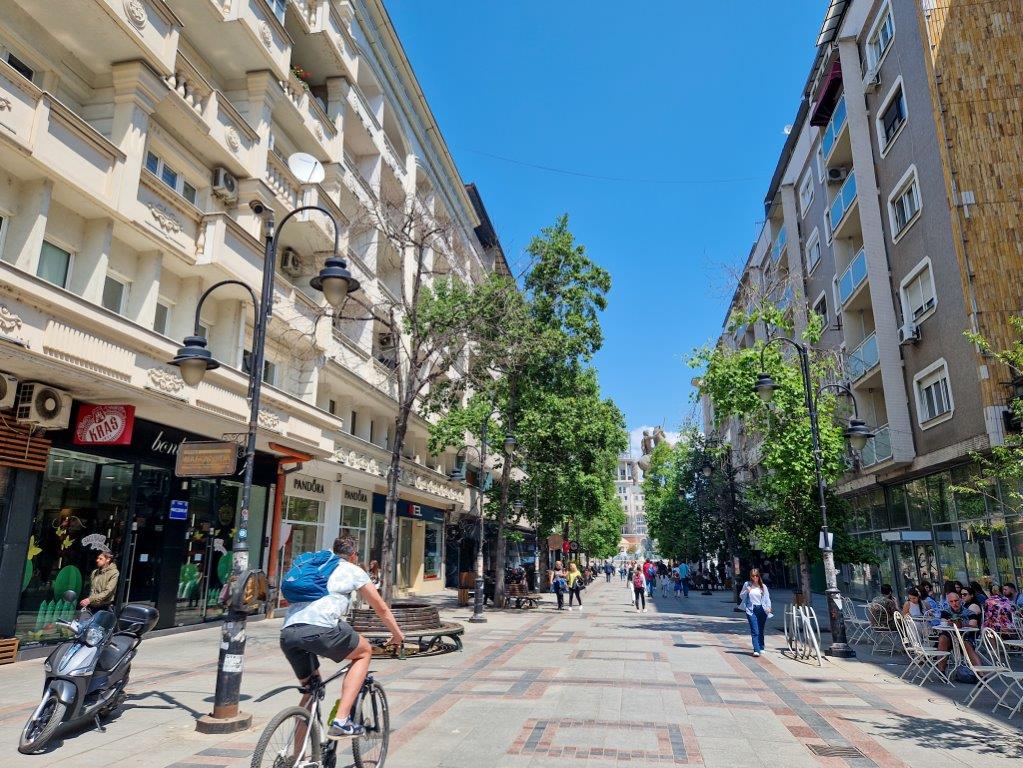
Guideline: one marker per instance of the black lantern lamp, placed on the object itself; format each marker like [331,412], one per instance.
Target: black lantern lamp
[765,387]
[193,360]
[335,281]
[857,433]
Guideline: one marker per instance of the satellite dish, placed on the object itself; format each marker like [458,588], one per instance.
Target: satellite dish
[306,168]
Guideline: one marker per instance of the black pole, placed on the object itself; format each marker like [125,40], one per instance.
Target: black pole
[226,717]
[839,648]
[477,602]
[733,522]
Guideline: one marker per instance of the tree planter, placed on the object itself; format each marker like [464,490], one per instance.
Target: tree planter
[424,631]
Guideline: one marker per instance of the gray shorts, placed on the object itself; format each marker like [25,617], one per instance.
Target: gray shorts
[303,644]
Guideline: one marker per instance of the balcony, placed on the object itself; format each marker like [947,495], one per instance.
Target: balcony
[863,359]
[842,204]
[879,449]
[308,116]
[853,277]
[47,131]
[352,168]
[786,297]
[281,180]
[778,247]
[833,130]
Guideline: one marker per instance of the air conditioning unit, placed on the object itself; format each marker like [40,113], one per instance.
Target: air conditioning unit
[872,79]
[909,333]
[43,406]
[8,391]
[291,263]
[837,173]
[225,185]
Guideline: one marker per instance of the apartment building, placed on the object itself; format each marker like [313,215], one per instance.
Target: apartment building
[893,214]
[134,135]
[630,493]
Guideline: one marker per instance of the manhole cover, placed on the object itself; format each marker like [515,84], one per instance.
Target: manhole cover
[825,750]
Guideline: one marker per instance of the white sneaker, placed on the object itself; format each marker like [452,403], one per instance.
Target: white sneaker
[756,653]
[580,609]
[644,610]
[570,609]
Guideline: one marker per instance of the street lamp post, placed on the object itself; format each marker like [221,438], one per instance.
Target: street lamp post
[194,360]
[510,443]
[857,434]
[705,470]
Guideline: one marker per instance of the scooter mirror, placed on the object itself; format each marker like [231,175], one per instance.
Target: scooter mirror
[70,596]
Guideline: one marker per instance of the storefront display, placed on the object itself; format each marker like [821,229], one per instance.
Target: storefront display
[420,545]
[119,498]
[302,518]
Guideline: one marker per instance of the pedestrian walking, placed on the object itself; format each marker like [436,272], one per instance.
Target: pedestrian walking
[676,581]
[639,589]
[608,570]
[576,582]
[683,571]
[756,599]
[559,584]
[650,574]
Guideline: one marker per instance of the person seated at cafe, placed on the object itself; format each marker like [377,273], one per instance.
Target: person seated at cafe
[1014,596]
[998,615]
[968,594]
[979,595]
[958,614]
[913,606]
[930,605]
[887,602]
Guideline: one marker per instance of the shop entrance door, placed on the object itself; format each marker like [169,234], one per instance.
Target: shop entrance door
[147,523]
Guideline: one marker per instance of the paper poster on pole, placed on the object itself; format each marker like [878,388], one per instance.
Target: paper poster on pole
[827,540]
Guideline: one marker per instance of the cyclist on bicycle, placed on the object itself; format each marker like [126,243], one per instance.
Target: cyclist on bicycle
[318,628]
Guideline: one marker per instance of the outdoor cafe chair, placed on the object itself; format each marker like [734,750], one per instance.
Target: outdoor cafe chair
[882,633]
[857,629]
[1015,644]
[986,674]
[1013,681]
[923,661]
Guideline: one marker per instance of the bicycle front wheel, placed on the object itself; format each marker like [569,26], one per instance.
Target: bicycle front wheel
[285,741]
[370,750]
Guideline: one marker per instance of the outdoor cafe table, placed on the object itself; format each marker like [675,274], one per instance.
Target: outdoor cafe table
[957,658]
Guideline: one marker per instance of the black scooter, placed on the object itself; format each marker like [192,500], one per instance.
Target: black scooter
[86,676]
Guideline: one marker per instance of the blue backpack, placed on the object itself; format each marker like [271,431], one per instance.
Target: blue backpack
[306,580]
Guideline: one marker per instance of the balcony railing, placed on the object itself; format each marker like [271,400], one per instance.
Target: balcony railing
[786,298]
[853,277]
[843,202]
[779,244]
[863,359]
[879,449]
[833,128]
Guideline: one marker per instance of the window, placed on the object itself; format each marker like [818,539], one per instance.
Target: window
[918,294]
[3,231]
[269,369]
[353,423]
[20,67]
[904,204]
[892,117]
[820,163]
[805,193]
[880,36]
[161,319]
[813,251]
[54,265]
[821,307]
[170,177]
[933,394]
[114,292]
[204,330]
[332,407]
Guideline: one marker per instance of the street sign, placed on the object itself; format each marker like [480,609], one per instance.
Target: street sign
[827,540]
[573,546]
[206,458]
[179,509]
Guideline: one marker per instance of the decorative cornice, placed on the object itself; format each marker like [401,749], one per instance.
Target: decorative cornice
[163,380]
[165,219]
[269,420]
[10,323]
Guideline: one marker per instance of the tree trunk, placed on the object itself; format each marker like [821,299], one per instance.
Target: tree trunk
[804,575]
[501,555]
[388,566]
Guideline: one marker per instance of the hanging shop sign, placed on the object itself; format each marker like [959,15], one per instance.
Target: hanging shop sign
[104,424]
[206,458]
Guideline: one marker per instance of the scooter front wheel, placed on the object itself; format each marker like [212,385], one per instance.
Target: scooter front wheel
[41,726]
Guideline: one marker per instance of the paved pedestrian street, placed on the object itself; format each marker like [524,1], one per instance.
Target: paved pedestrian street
[603,688]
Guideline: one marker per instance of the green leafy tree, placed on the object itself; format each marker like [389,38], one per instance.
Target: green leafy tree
[785,490]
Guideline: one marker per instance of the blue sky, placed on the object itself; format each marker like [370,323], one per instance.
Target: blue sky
[651,94]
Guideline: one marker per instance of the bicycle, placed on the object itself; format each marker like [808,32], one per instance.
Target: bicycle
[300,729]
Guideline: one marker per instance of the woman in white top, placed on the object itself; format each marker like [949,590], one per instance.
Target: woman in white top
[756,599]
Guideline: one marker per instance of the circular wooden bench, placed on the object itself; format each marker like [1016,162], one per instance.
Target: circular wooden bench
[419,621]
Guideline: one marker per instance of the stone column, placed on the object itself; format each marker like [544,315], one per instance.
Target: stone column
[25,230]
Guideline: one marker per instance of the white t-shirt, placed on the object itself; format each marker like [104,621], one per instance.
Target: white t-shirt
[330,609]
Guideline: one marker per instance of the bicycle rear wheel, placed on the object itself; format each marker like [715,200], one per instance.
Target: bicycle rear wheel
[370,750]
[281,743]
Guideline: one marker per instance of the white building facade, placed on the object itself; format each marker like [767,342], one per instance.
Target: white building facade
[133,137]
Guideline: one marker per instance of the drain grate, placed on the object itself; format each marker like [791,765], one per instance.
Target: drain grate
[827,750]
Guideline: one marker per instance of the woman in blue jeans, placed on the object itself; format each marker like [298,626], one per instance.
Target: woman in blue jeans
[756,599]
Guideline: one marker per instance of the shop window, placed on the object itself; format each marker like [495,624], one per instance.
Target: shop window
[54,265]
[897,507]
[304,518]
[949,544]
[431,552]
[355,523]
[919,511]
